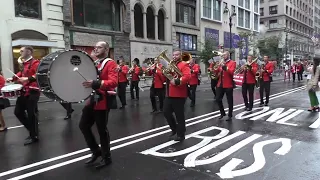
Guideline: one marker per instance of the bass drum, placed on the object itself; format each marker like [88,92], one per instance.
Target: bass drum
[58,80]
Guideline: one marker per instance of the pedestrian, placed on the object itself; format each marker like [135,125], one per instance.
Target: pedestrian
[98,107]
[313,86]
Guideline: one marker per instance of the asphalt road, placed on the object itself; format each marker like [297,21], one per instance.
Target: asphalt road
[275,142]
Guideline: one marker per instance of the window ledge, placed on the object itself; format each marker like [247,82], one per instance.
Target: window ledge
[186,26]
[212,20]
[95,31]
[151,41]
[240,27]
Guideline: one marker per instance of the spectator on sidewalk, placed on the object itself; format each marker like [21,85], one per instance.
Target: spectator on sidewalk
[312,85]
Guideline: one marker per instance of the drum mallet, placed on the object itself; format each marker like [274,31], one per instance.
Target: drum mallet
[13,73]
[76,69]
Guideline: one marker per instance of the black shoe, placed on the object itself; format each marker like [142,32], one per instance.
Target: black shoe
[221,116]
[104,162]
[122,107]
[31,141]
[249,109]
[261,104]
[67,117]
[266,104]
[229,119]
[179,138]
[153,111]
[93,158]
[172,136]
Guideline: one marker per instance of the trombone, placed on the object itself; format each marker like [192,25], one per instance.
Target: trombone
[240,70]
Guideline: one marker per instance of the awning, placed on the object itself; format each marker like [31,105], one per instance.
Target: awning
[33,42]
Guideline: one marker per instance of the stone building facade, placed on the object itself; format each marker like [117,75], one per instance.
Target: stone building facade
[89,22]
[36,23]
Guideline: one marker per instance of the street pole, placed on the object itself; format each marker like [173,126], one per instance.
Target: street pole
[286,49]
[230,25]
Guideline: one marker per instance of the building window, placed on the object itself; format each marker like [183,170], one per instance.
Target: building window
[138,21]
[150,24]
[273,24]
[97,14]
[256,5]
[240,3]
[240,17]
[247,19]
[185,14]
[207,8]
[187,42]
[273,10]
[247,4]
[217,10]
[256,22]
[287,9]
[161,25]
[261,12]
[28,8]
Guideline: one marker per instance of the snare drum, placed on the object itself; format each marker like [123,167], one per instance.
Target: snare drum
[58,80]
[11,91]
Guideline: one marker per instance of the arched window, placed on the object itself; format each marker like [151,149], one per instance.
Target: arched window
[150,24]
[138,21]
[161,25]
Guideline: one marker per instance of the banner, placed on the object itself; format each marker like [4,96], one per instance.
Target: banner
[212,34]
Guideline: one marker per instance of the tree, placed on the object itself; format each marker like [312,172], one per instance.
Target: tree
[206,53]
[270,46]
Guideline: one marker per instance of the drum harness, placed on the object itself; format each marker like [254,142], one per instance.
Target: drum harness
[96,95]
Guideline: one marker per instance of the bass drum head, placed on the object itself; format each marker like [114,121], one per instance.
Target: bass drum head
[67,83]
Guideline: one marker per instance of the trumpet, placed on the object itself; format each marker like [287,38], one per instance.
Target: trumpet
[240,70]
[171,71]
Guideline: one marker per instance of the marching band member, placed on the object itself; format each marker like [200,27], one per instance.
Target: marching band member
[176,95]
[265,80]
[68,108]
[214,78]
[30,94]
[294,71]
[122,81]
[248,82]
[225,84]
[3,126]
[134,71]
[194,81]
[98,108]
[300,71]
[157,87]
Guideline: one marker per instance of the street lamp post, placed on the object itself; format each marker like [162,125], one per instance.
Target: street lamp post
[287,31]
[231,15]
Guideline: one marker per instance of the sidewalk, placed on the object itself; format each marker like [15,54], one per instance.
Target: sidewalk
[145,85]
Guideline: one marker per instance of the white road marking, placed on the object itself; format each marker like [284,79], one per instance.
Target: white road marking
[118,146]
[316,124]
[259,159]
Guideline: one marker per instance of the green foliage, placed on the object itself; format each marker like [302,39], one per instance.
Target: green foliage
[206,53]
[270,46]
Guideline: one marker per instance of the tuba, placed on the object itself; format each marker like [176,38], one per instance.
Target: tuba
[171,71]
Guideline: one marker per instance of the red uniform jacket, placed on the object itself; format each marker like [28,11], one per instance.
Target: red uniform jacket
[135,73]
[299,68]
[195,68]
[250,75]
[109,81]
[158,77]
[226,76]
[294,69]
[269,67]
[181,90]
[123,73]
[29,73]
[2,81]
